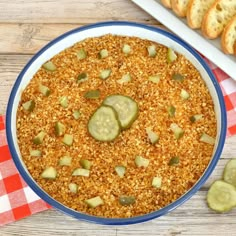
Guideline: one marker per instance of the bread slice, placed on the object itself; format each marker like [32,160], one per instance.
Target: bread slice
[228,37]
[235,48]
[180,7]
[217,18]
[166,3]
[196,11]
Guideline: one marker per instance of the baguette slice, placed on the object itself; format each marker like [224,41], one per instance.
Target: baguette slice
[228,37]
[217,18]
[180,7]
[166,3]
[235,48]
[196,11]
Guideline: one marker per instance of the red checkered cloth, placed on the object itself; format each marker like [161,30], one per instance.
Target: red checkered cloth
[17,200]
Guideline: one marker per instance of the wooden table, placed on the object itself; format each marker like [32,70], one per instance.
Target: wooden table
[26,26]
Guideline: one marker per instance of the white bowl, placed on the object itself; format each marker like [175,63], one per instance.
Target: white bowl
[125,29]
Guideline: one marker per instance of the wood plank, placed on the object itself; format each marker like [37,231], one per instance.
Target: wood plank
[193,216]
[29,38]
[62,11]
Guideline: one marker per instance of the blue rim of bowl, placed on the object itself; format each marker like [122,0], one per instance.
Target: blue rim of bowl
[117,221]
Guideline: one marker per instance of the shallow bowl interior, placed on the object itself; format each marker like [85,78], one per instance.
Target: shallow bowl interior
[125,29]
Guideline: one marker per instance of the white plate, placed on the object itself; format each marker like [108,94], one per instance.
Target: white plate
[209,48]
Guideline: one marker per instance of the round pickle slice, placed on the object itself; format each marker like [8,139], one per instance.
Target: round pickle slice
[230,172]
[221,196]
[126,108]
[104,125]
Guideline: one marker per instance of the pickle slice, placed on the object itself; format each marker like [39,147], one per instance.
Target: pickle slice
[229,174]
[221,196]
[104,124]
[126,108]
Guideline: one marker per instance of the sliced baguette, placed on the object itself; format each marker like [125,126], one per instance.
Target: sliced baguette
[235,48]
[196,11]
[180,7]
[166,3]
[228,37]
[217,17]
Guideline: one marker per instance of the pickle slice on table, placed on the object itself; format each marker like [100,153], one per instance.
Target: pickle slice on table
[221,196]
[104,124]
[230,172]
[126,108]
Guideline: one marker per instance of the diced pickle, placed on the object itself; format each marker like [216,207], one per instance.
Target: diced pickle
[49,173]
[92,94]
[184,94]
[44,90]
[178,132]
[126,200]
[124,79]
[126,108]
[35,153]
[38,139]
[65,161]
[207,139]
[196,118]
[81,54]
[171,110]
[120,170]
[141,161]
[49,66]
[29,105]
[81,172]
[76,114]
[174,161]
[156,182]
[86,164]
[221,196]
[82,77]
[126,49]
[59,128]
[152,51]
[63,101]
[152,136]
[171,56]
[230,172]
[68,139]
[104,74]
[104,125]
[73,187]
[178,77]
[154,78]
[94,202]
[103,54]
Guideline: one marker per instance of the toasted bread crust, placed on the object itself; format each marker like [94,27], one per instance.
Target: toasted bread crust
[235,48]
[166,3]
[228,37]
[196,11]
[217,17]
[180,7]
